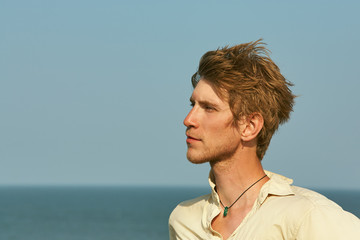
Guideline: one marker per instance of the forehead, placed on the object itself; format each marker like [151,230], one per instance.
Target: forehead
[204,91]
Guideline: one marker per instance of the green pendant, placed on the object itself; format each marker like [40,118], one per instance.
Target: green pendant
[225,211]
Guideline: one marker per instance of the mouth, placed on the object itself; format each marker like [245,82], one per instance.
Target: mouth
[191,139]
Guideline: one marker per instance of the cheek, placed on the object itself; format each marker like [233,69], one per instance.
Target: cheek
[218,132]
[222,126]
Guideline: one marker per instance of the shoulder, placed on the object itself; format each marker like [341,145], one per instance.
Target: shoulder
[307,202]
[281,193]
[313,199]
[186,220]
[293,202]
[288,209]
[304,214]
[300,213]
[323,218]
[189,209]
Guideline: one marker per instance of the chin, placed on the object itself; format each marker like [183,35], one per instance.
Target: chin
[196,159]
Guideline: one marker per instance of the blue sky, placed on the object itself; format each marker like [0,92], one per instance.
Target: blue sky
[95,92]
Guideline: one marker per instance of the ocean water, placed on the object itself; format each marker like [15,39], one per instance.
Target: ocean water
[106,213]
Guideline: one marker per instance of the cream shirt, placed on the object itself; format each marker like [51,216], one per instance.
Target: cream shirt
[281,211]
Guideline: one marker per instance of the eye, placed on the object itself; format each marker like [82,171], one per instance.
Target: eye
[209,108]
[192,104]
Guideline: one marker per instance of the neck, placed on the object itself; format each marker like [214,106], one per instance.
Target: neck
[235,175]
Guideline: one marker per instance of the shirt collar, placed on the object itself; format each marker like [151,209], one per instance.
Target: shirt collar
[278,185]
[214,195]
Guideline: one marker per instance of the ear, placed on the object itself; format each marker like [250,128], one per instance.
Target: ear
[252,126]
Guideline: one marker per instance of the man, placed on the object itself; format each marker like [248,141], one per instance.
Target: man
[238,102]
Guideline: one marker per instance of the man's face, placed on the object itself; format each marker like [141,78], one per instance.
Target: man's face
[211,135]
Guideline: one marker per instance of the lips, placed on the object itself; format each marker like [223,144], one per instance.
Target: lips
[191,139]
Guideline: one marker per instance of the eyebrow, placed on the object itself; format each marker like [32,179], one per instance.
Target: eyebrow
[205,102]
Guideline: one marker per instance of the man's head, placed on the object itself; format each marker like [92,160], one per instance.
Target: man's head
[246,77]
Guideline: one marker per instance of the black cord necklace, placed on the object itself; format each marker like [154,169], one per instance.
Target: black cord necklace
[226,209]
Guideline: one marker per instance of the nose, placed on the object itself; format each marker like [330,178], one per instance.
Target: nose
[190,119]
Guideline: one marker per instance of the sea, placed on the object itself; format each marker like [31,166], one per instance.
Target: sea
[104,213]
